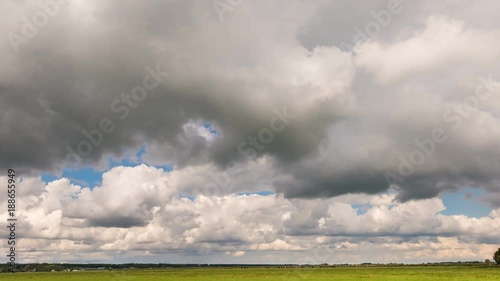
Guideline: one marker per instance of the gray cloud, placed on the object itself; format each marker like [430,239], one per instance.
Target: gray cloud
[356,114]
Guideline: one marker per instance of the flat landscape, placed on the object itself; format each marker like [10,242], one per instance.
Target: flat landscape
[341,273]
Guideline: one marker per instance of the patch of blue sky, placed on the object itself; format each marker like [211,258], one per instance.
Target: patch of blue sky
[261,193]
[85,176]
[89,176]
[191,198]
[466,201]
[361,209]
[210,128]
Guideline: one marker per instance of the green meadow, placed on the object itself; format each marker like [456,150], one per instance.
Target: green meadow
[217,274]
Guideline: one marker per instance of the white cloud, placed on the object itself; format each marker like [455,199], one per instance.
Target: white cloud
[142,214]
[443,44]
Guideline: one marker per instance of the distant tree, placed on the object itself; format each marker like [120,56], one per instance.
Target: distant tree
[487,261]
[496,256]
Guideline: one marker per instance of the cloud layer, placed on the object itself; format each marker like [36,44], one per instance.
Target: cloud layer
[356,112]
[139,211]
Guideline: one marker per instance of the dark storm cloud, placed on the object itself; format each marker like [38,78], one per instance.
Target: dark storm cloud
[353,116]
[72,74]
[116,221]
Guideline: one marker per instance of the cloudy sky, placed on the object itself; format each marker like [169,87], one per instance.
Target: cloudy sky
[237,131]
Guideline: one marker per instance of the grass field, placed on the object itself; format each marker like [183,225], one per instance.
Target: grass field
[212,274]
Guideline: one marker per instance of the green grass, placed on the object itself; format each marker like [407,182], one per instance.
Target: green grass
[217,274]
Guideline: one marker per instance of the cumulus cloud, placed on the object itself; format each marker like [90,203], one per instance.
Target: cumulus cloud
[443,43]
[141,220]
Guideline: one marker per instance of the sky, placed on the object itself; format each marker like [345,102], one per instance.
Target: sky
[252,131]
